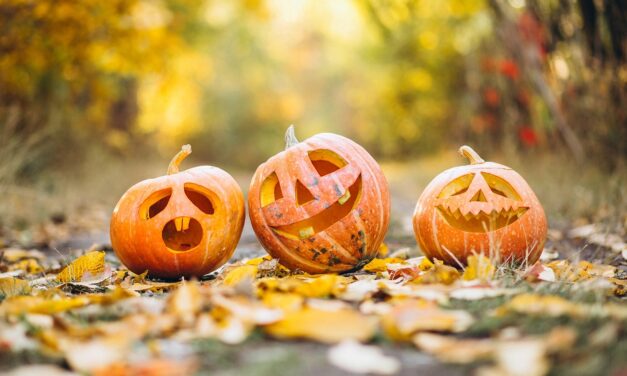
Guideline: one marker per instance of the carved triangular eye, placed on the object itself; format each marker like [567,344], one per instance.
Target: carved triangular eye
[501,187]
[457,186]
[326,161]
[155,203]
[199,196]
[270,190]
[303,195]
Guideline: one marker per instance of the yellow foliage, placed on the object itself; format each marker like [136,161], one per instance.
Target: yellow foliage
[239,274]
[479,267]
[324,326]
[88,266]
[380,265]
[13,286]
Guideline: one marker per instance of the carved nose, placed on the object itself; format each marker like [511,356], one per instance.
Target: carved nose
[479,197]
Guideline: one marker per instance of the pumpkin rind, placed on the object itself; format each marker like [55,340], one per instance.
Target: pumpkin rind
[139,242]
[446,223]
[311,223]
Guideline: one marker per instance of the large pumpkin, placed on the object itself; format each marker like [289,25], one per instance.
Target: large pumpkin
[483,207]
[182,224]
[322,205]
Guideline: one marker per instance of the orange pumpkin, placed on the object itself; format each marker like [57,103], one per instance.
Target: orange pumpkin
[180,225]
[483,207]
[322,205]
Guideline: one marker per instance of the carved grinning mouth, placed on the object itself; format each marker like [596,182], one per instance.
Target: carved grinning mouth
[481,221]
[317,223]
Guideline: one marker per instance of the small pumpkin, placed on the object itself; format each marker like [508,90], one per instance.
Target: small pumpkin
[322,205]
[182,224]
[484,207]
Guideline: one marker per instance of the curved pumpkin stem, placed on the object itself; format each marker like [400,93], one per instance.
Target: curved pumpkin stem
[173,167]
[290,137]
[473,157]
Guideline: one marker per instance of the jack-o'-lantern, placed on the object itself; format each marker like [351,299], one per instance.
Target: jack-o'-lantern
[182,224]
[484,208]
[322,205]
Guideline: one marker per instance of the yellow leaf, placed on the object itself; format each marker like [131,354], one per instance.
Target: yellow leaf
[18,305]
[419,315]
[479,267]
[308,286]
[30,265]
[324,326]
[13,286]
[88,266]
[239,274]
[185,301]
[258,260]
[381,265]
[383,250]
[287,302]
[541,305]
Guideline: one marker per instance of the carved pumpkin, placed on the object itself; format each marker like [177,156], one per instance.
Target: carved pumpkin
[322,205]
[179,225]
[484,208]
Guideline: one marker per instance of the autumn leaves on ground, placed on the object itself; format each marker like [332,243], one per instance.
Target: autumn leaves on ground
[82,311]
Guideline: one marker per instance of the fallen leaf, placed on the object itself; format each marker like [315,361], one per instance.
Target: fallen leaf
[353,357]
[324,326]
[539,272]
[414,315]
[378,265]
[13,286]
[454,350]
[479,267]
[90,266]
[239,274]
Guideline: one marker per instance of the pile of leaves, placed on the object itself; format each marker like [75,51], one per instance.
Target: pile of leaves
[91,315]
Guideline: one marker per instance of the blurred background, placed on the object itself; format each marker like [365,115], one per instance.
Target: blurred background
[97,95]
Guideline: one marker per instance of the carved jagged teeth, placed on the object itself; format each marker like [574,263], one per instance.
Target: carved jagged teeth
[306,232]
[344,198]
[186,223]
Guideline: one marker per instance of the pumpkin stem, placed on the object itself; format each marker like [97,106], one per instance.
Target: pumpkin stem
[290,137]
[173,168]
[473,157]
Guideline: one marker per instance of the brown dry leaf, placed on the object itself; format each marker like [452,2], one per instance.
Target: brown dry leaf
[324,326]
[90,266]
[415,315]
[13,286]
[479,267]
[378,265]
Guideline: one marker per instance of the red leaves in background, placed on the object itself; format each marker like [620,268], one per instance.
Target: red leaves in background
[528,136]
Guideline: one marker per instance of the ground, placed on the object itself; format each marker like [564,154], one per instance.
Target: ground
[565,315]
